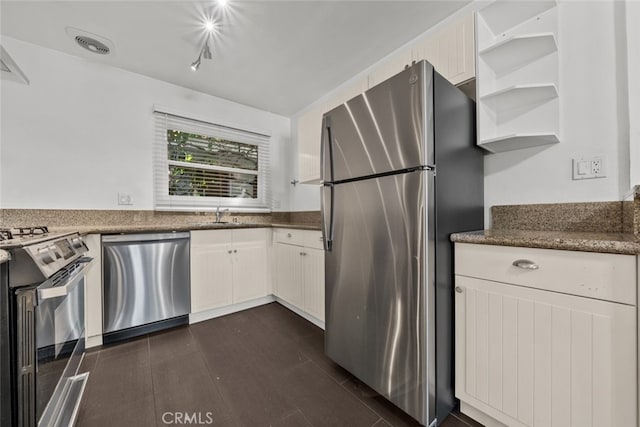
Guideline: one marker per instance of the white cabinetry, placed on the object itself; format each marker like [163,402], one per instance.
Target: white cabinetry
[309,136]
[390,67]
[528,354]
[93,293]
[299,272]
[228,267]
[451,51]
[517,75]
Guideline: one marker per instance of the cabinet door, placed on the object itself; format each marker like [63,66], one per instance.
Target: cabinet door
[211,276]
[309,135]
[314,282]
[538,358]
[250,273]
[451,51]
[390,68]
[288,278]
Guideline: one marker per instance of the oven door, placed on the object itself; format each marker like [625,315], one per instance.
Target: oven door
[60,344]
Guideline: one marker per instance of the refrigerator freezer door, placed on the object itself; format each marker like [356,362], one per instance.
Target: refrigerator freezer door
[379,287]
[387,128]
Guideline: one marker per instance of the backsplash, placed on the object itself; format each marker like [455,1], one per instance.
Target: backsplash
[602,217]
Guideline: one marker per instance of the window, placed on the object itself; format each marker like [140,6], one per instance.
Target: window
[200,166]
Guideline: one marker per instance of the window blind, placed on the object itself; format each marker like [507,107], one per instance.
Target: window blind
[202,166]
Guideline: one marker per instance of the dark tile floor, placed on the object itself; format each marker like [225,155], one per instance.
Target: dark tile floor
[260,367]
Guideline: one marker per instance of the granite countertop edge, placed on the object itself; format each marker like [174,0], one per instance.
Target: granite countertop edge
[614,243]
[145,228]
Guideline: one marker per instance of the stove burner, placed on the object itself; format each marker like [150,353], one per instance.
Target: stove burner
[5,234]
[31,231]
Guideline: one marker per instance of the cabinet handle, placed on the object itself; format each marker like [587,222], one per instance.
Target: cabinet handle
[458,289]
[235,251]
[288,234]
[230,251]
[526,264]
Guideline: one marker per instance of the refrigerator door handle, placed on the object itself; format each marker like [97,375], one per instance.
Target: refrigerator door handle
[326,149]
[326,207]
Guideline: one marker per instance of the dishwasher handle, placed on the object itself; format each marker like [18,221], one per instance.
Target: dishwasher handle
[144,237]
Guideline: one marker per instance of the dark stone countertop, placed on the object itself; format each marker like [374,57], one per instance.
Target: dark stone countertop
[615,243]
[144,228]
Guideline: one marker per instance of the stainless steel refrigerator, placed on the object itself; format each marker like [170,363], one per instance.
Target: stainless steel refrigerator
[400,173]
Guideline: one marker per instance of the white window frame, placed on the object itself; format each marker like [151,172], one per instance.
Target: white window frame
[163,201]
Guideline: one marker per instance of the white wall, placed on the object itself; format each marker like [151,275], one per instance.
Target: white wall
[81,132]
[633,62]
[591,119]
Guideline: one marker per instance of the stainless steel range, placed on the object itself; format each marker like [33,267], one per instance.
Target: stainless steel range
[41,327]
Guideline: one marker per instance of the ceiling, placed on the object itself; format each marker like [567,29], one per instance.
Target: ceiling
[278,56]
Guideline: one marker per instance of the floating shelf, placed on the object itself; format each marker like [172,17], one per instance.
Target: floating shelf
[519,96]
[514,52]
[503,15]
[517,141]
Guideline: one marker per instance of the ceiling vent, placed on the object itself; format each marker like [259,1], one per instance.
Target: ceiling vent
[10,70]
[92,45]
[91,42]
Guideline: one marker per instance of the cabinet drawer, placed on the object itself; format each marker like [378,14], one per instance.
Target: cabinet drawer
[609,277]
[210,237]
[307,238]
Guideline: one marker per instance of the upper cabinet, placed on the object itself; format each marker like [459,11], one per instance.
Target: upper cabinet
[451,51]
[309,132]
[390,67]
[517,75]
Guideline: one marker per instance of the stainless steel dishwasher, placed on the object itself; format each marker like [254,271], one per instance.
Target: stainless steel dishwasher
[145,283]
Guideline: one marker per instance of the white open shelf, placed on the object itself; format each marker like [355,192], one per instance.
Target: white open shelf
[517,141]
[514,52]
[503,15]
[518,96]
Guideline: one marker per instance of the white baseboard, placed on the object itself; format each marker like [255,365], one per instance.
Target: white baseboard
[479,416]
[223,311]
[95,341]
[319,323]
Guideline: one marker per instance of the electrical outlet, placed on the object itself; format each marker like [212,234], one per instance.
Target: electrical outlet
[125,199]
[596,166]
[589,167]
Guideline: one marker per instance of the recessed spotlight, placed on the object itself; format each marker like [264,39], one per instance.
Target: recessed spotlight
[209,25]
[222,3]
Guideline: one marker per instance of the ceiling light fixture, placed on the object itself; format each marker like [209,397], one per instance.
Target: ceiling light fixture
[222,3]
[209,25]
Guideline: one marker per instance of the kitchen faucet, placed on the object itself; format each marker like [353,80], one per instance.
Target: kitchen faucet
[219,213]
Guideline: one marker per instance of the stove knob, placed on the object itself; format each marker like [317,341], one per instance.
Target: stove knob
[47,255]
[78,243]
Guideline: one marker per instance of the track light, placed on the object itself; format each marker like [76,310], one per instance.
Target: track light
[205,52]
[196,64]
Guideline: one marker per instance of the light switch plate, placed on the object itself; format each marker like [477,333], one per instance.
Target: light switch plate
[589,167]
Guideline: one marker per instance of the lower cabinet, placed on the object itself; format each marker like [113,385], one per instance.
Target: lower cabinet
[299,270]
[228,267]
[529,356]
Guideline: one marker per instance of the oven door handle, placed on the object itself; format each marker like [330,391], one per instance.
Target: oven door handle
[49,289]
